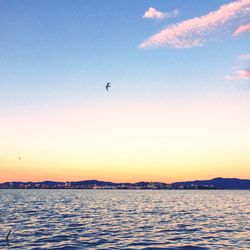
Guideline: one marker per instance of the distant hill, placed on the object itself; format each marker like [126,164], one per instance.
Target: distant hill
[216,183]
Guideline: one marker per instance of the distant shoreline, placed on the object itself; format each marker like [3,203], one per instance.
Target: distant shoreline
[213,184]
[122,189]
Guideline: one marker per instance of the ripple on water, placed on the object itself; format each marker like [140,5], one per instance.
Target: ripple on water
[124,219]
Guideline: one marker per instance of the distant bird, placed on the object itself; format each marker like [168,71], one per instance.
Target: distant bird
[19,158]
[108,86]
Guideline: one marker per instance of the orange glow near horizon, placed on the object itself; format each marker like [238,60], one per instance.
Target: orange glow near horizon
[160,141]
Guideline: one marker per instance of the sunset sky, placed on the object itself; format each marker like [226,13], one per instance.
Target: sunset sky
[179,103]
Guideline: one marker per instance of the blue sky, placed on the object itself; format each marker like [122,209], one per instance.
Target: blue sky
[71,46]
[60,54]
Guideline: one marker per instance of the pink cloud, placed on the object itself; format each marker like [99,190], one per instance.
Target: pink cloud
[242,71]
[152,13]
[243,74]
[242,29]
[194,32]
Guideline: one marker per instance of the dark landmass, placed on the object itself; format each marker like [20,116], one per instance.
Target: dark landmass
[219,183]
[216,183]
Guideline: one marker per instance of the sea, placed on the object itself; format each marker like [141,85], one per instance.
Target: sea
[125,219]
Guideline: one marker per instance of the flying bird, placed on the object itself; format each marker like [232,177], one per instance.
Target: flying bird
[108,86]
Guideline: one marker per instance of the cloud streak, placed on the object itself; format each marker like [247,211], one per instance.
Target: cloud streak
[243,69]
[243,74]
[194,32]
[244,57]
[242,29]
[152,13]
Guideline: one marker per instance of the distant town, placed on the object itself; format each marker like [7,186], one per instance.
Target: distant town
[216,183]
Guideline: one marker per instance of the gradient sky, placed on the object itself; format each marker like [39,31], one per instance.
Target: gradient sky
[178,108]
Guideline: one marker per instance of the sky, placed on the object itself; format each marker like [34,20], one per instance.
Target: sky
[179,103]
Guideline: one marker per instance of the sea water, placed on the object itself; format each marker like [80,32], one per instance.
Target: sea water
[125,219]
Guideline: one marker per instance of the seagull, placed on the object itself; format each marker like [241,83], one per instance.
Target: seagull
[108,86]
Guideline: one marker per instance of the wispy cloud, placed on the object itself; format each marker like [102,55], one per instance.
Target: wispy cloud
[152,13]
[242,29]
[243,74]
[194,32]
[243,69]
[244,57]
[173,13]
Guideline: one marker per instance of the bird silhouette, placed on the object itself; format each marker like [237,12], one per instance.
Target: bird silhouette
[108,86]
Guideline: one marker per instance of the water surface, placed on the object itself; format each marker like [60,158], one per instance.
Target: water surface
[125,219]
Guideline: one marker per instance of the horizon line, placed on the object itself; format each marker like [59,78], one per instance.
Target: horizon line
[219,177]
